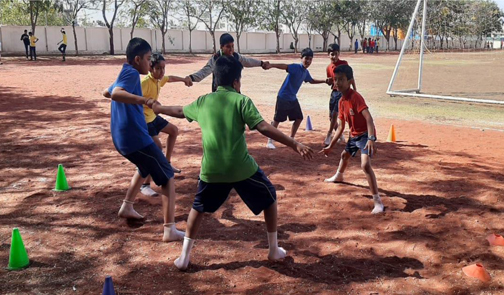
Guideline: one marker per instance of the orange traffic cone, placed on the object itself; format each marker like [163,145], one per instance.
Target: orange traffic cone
[495,240]
[391,135]
[477,271]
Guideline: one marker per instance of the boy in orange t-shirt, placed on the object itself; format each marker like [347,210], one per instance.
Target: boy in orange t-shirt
[334,52]
[353,110]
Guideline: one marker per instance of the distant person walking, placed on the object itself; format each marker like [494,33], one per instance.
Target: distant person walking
[63,46]
[364,44]
[356,45]
[377,45]
[26,41]
[368,45]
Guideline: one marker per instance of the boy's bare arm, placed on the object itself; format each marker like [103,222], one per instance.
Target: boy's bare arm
[339,131]
[267,130]
[371,131]
[177,111]
[106,93]
[121,95]
[187,80]
[326,81]
[279,66]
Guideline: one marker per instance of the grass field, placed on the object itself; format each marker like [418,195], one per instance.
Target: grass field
[442,184]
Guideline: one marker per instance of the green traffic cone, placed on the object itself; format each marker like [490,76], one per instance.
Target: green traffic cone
[18,257]
[61,182]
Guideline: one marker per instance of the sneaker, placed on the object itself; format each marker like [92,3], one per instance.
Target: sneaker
[270,145]
[327,141]
[148,191]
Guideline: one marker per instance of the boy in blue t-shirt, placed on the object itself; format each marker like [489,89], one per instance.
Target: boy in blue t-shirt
[287,104]
[132,140]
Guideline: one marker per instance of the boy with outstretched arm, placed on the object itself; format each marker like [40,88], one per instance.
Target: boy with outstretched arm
[353,110]
[287,105]
[226,163]
[131,138]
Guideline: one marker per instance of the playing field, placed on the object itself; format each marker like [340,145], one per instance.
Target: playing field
[442,185]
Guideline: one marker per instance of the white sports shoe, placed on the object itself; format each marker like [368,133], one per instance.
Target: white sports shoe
[270,145]
[148,191]
[327,141]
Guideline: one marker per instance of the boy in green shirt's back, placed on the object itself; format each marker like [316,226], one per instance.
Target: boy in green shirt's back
[226,163]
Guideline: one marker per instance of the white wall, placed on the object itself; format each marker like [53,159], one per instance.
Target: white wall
[96,40]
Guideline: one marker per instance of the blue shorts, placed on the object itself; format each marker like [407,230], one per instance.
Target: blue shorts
[156,126]
[151,161]
[357,143]
[334,103]
[257,193]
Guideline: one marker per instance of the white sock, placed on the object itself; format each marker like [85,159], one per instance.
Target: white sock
[335,178]
[171,233]
[378,205]
[275,252]
[183,261]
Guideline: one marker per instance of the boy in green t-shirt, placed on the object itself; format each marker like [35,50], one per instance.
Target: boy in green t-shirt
[226,163]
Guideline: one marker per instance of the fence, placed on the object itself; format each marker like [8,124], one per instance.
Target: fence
[96,40]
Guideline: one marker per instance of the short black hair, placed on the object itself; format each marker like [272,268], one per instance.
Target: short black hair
[307,52]
[137,47]
[155,59]
[25,31]
[344,69]
[227,69]
[333,47]
[30,33]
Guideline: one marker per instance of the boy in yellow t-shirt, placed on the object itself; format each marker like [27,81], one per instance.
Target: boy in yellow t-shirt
[151,86]
[63,46]
[33,52]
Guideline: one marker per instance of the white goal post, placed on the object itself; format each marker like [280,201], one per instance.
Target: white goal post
[417,92]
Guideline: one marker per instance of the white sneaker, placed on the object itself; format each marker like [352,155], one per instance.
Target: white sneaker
[270,145]
[328,140]
[148,191]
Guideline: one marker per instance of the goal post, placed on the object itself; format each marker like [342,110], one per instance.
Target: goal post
[417,92]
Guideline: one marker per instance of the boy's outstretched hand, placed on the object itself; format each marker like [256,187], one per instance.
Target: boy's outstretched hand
[304,151]
[326,151]
[188,82]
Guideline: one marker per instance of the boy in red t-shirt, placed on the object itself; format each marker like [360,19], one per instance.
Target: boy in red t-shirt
[334,52]
[353,110]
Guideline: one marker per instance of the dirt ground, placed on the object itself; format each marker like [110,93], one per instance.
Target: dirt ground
[442,185]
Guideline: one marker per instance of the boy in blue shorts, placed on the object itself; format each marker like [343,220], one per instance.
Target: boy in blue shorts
[287,104]
[131,138]
[353,110]
[226,163]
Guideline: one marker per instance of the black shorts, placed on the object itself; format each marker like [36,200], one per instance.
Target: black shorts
[357,143]
[156,126]
[334,103]
[257,193]
[287,108]
[151,161]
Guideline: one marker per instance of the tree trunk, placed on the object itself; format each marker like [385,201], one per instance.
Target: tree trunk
[132,31]
[75,39]
[296,39]
[190,41]
[238,41]
[277,32]
[212,33]
[111,40]
[441,39]
[163,48]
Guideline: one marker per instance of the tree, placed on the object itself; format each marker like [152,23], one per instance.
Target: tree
[320,18]
[350,10]
[139,9]
[487,18]
[209,12]
[110,25]
[159,16]
[390,14]
[188,11]
[363,17]
[270,18]
[293,15]
[35,8]
[73,7]
[242,14]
